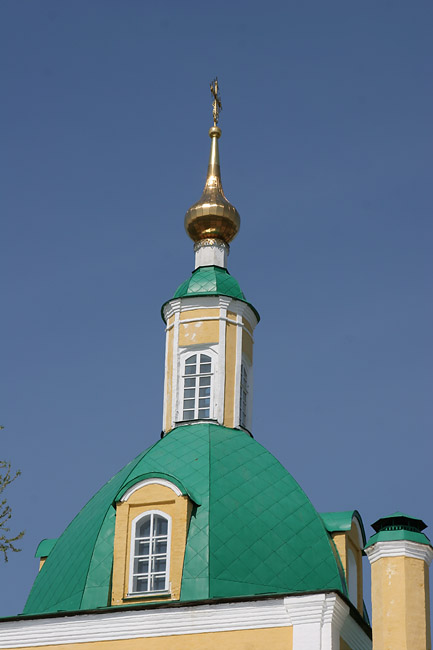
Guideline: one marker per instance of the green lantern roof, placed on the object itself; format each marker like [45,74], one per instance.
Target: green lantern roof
[212,281]
[399,526]
[253,530]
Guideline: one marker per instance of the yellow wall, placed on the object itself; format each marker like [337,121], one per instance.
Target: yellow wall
[201,332]
[247,346]
[343,541]
[274,638]
[229,399]
[400,600]
[343,645]
[149,497]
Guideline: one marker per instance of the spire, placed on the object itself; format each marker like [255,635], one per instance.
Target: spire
[213,221]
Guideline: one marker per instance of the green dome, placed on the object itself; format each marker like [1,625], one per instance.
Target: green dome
[253,531]
[212,281]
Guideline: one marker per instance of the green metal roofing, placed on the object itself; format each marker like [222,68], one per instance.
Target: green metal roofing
[212,281]
[255,532]
[342,521]
[45,547]
[396,535]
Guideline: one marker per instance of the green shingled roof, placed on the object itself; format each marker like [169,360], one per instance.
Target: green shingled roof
[254,532]
[212,281]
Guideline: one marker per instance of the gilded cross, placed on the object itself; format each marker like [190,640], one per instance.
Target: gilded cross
[216,104]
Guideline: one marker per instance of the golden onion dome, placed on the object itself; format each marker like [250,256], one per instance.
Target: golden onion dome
[213,217]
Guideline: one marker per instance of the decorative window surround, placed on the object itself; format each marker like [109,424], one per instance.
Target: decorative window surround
[313,618]
[151,481]
[400,548]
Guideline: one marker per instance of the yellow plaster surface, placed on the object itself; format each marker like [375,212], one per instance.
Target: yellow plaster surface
[247,346]
[149,497]
[41,562]
[343,541]
[199,333]
[229,399]
[400,603]
[343,645]
[274,638]
[169,379]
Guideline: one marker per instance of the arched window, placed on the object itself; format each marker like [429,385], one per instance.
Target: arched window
[197,387]
[150,553]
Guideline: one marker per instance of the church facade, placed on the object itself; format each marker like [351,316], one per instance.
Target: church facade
[205,540]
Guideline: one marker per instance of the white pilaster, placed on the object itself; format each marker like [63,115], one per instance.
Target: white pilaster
[317,621]
[221,375]
[237,395]
[175,379]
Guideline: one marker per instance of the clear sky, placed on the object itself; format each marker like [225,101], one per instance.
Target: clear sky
[326,153]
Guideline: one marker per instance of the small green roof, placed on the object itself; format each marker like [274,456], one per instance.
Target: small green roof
[212,281]
[342,521]
[45,547]
[398,526]
[255,532]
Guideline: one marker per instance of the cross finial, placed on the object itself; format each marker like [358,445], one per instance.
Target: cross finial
[216,104]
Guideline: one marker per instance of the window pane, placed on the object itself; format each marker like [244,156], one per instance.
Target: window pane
[158,583]
[188,403]
[159,564]
[189,382]
[204,402]
[161,525]
[190,370]
[204,358]
[140,584]
[160,546]
[204,381]
[188,415]
[189,392]
[204,392]
[143,527]
[191,360]
[141,548]
[141,566]
[205,367]
[204,413]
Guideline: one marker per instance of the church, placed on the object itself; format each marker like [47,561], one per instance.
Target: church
[205,540]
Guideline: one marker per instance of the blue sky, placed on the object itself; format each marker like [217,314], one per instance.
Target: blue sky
[326,153]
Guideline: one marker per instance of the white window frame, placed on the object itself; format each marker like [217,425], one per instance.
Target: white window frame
[134,523]
[186,354]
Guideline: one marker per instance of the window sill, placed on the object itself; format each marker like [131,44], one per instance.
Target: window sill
[149,595]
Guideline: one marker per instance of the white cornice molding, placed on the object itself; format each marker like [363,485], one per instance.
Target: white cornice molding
[318,617]
[151,481]
[400,548]
[143,624]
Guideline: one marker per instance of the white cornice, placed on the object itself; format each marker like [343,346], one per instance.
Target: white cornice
[143,624]
[319,616]
[400,548]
